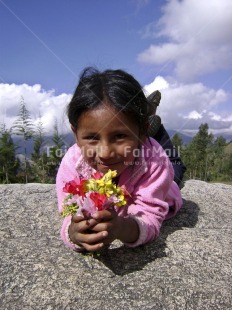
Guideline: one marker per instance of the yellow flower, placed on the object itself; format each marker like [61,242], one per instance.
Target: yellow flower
[70,209]
[90,185]
[110,174]
[105,186]
[121,203]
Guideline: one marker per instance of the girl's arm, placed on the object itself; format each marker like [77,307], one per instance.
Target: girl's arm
[105,227]
[136,224]
[152,196]
[66,173]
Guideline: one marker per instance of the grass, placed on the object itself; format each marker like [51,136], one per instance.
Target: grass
[222,182]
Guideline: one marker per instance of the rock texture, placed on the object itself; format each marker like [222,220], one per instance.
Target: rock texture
[187,267]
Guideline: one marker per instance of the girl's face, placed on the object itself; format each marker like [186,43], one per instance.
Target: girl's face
[108,138]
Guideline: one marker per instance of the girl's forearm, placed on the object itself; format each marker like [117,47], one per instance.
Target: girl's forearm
[129,230]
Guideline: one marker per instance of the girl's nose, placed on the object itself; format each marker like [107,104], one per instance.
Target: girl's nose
[104,151]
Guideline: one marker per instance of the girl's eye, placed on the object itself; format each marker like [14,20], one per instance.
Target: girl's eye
[120,136]
[91,137]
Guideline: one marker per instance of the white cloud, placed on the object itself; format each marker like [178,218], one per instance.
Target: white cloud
[159,83]
[38,102]
[185,107]
[193,115]
[215,116]
[199,37]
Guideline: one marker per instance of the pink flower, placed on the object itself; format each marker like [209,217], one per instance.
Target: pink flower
[99,200]
[97,175]
[86,207]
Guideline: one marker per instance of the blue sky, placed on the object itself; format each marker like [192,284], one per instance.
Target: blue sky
[183,48]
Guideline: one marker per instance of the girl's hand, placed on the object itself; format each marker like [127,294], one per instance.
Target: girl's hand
[109,223]
[80,233]
[115,227]
[103,228]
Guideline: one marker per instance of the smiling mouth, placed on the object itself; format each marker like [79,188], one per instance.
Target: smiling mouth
[108,165]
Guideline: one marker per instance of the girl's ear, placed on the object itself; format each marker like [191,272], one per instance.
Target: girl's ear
[74,130]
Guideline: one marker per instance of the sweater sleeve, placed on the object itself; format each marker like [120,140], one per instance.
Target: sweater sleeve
[149,205]
[66,173]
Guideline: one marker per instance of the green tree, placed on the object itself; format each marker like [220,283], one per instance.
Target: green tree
[189,159]
[177,141]
[55,153]
[218,157]
[39,140]
[8,162]
[197,154]
[219,146]
[227,168]
[24,127]
[39,157]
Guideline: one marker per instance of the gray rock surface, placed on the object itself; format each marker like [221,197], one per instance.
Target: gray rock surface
[187,267]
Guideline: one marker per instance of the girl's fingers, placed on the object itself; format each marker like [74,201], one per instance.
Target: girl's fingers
[83,224]
[92,242]
[93,248]
[77,218]
[102,226]
[93,238]
[105,215]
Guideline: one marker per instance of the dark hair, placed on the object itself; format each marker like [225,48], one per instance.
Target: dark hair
[117,87]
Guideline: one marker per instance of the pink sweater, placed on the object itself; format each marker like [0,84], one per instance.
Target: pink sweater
[154,195]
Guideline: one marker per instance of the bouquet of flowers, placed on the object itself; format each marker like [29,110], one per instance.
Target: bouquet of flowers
[85,196]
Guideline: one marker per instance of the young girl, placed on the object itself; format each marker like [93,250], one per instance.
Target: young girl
[109,118]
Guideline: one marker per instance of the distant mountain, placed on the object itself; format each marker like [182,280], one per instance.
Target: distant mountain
[228,137]
[186,139]
[68,140]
